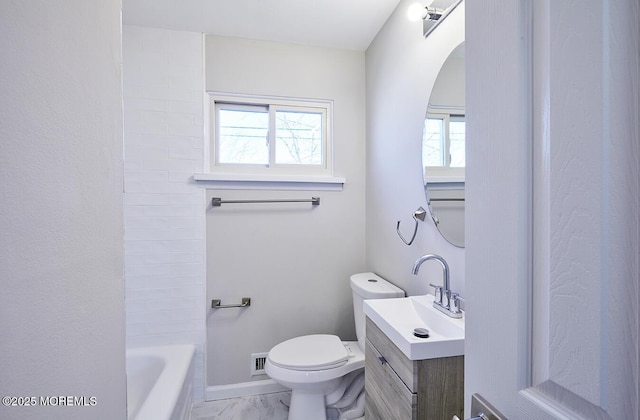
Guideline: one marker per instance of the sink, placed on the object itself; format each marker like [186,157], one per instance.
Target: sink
[398,317]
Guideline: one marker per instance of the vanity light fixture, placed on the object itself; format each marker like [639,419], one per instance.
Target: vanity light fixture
[435,12]
[418,11]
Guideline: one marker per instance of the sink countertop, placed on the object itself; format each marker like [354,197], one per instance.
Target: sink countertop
[398,317]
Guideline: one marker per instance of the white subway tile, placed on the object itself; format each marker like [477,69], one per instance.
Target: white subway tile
[189,165]
[174,211]
[184,223]
[133,116]
[169,282]
[132,92]
[184,80]
[193,107]
[187,246]
[152,187]
[160,140]
[148,175]
[184,129]
[182,177]
[136,234]
[178,303]
[135,199]
[156,117]
[147,223]
[198,143]
[179,118]
[188,55]
[169,94]
[133,211]
[143,247]
[152,65]
[144,127]
[171,327]
[144,104]
[134,259]
[164,209]
[135,282]
[184,152]
[136,329]
[173,257]
[195,199]
[146,151]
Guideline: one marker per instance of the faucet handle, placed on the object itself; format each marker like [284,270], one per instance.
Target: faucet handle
[437,292]
[455,302]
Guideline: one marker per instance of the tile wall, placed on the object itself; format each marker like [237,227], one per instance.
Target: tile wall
[164,209]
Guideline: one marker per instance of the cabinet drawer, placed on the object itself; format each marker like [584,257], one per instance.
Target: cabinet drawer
[406,369]
[387,395]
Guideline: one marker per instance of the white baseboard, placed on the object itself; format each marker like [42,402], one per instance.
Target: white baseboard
[244,389]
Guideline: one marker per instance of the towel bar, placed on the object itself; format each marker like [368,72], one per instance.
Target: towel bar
[217,201]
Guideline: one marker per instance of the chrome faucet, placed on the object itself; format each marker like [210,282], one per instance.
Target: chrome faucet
[445,300]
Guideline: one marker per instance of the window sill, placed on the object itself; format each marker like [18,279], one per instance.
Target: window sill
[269,182]
[444,179]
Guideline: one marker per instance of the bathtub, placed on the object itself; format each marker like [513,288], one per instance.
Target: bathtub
[159,381]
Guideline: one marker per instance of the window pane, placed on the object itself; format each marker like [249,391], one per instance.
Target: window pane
[457,138]
[433,142]
[298,138]
[243,136]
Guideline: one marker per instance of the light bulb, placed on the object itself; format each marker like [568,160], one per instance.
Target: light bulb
[415,12]
[418,11]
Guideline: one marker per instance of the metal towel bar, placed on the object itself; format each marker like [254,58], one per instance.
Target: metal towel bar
[446,199]
[217,201]
[217,304]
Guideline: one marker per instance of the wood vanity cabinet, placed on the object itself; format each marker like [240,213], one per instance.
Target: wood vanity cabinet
[401,389]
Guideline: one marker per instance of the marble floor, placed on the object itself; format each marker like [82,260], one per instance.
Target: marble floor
[256,407]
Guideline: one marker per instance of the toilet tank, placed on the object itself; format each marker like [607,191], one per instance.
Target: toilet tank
[369,286]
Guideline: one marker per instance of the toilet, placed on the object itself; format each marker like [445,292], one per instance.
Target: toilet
[320,369]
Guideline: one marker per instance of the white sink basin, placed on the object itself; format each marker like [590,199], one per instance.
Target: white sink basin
[398,317]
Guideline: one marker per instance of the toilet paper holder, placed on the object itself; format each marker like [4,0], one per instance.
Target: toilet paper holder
[217,304]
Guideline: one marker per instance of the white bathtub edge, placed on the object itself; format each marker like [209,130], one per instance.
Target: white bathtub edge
[163,397]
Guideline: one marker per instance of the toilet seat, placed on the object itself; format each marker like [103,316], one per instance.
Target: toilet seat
[310,353]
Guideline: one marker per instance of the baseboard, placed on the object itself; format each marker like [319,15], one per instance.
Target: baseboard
[244,389]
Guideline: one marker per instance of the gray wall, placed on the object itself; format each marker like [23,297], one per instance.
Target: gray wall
[402,67]
[61,247]
[292,260]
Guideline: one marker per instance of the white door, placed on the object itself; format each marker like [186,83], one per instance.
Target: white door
[552,208]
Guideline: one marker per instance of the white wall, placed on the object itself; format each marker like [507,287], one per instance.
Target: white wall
[292,260]
[164,209]
[402,67]
[61,247]
[448,90]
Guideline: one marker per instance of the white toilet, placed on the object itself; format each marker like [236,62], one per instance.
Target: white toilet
[319,368]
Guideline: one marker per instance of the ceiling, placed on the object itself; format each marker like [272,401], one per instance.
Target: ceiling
[347,24]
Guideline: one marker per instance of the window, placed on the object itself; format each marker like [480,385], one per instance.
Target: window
[444,141]
[251,135]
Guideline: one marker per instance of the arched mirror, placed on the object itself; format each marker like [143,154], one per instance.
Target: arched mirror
[443,149]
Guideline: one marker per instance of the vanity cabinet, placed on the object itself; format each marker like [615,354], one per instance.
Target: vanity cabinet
[402,389]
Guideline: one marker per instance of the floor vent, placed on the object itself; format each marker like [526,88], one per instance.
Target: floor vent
[258,361]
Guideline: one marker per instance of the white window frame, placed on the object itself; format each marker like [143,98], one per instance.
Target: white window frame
[445,173]
[273,104]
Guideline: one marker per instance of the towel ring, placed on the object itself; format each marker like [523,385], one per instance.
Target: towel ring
[420,213]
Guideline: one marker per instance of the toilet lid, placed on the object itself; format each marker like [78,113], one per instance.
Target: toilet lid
[310,352]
